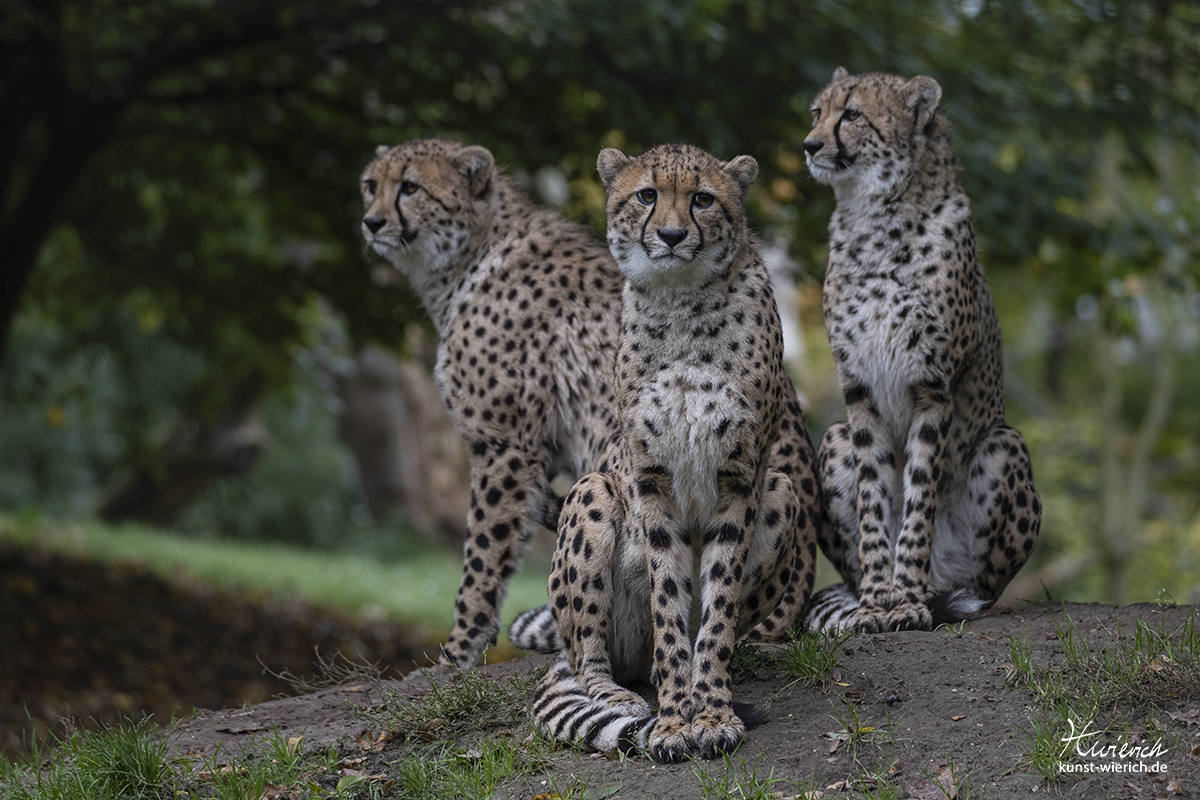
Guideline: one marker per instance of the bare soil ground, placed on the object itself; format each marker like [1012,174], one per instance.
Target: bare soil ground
[931,700]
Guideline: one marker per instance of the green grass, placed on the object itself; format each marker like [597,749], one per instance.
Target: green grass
[123,763]
[811,656]
[1101,679]
[419,590]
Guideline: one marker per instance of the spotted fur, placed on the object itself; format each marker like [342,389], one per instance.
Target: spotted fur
[930,494]
[526,306]
[687,538]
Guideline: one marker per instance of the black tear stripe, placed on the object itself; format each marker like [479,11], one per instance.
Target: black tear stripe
[653,208]
[699,230]
[396,203]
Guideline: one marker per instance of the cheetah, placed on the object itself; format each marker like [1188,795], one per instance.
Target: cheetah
[526,305]
[930,495]
[687,531]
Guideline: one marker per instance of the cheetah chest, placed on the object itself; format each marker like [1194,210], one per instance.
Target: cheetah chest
[882,335]
[690,422]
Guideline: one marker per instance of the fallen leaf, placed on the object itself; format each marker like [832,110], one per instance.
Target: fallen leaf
[293,745]
[548,796]
[840,786]
[1174,787]
[1191,717]
[960,716]
[942,785]
[351,690]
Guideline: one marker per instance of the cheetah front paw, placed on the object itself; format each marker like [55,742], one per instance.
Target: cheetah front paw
[909,617]
[868,620]
[670,742]
[714,734]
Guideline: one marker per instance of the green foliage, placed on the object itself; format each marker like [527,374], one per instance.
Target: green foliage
[811,656]
[121,763]
[738,780]
[181,177]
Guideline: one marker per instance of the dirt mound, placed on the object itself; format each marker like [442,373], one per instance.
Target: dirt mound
[101,642]
[912,714]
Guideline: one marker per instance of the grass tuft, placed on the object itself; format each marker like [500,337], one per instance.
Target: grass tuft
[114,762]
[811,656]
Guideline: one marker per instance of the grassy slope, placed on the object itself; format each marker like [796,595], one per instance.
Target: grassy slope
[419,590]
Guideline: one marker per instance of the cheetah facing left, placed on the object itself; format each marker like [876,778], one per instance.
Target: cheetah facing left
[688,505]
[930,492]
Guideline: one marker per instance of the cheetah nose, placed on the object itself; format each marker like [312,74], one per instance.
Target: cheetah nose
[812,146]
[373,224]
[672,236]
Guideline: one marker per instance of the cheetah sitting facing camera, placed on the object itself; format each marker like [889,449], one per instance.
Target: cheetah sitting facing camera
[929,492]
[526,305]
[688,535]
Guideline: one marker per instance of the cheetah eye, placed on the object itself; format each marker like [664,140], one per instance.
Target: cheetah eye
[816,114]
[408,188]
[702,199]
[851,114]
[647,196]
[370,185]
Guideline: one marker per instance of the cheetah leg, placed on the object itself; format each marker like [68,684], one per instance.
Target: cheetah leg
[793,456]
[671,565]
[876,489]
[923,472]
[839,484]
[743,545]
[993,528]
[770,581]
[508,502]
[591,529]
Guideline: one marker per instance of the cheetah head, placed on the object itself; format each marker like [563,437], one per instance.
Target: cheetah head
[423,203]
[866,129]
[675,213]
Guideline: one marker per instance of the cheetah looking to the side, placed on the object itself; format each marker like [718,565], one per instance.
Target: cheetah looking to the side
[688,533]
[930,494]
[526,308]
[526,305]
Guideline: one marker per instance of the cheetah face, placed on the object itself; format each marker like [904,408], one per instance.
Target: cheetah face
[675,215]
[420,202]
[864,129]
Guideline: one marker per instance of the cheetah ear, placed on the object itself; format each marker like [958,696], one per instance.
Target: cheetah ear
[743,170]
[609,164]
[922,95]
[476,164]
[381,149]
[839,74]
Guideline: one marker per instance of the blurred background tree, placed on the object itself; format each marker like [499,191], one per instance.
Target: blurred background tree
[184,305]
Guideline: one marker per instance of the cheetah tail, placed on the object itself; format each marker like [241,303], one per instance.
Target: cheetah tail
[954,605]
[535,630]
[831,608]
[563,709]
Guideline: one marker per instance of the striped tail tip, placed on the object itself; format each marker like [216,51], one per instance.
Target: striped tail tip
[563,709]
[535,629]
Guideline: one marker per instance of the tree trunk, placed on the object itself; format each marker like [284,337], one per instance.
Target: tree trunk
[408,453]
